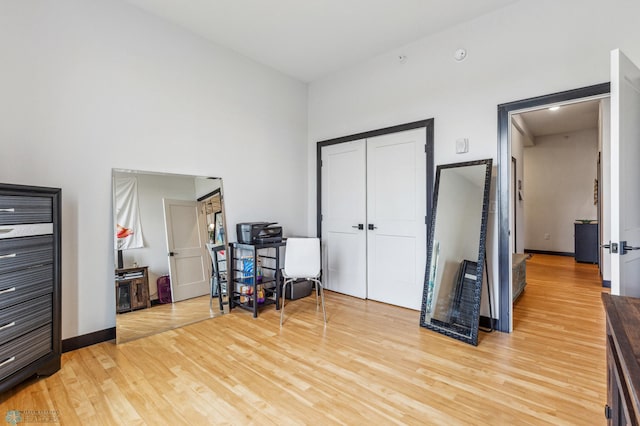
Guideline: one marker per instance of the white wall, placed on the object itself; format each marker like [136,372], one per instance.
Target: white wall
[513,53]
[87,86]
[560,171]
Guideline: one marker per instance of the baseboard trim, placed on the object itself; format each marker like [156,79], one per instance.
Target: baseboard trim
[78,342]
[553,253]
[485,322]
[606,283]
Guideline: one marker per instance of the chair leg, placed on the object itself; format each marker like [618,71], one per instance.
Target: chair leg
[320,288]
[316,286]
[284,297]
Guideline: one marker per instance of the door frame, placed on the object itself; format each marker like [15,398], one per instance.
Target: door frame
[430,174]
[504,320]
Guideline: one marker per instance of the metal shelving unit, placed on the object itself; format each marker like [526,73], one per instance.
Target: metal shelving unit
[245,283]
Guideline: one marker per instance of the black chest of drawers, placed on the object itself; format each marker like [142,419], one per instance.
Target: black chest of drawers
[30,263]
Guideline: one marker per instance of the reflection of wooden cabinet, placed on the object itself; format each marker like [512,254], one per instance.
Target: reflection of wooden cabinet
[132,289]
[623,355]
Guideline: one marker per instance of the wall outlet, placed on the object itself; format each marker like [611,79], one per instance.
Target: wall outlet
[547,236]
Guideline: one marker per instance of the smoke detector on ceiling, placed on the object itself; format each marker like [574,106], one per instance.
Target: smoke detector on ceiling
[460,55]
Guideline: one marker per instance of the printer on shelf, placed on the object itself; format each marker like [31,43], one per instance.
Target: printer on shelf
[258,232]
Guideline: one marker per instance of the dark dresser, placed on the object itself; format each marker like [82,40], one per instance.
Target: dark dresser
[30,335]
[623,359]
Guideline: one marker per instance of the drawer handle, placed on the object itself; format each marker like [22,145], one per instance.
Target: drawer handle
[6,230]
[7,256]
[7,361]
[8,210]
[7,290]
[11,324]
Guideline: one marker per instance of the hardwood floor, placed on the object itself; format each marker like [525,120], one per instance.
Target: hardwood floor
[158,318]
[371,364]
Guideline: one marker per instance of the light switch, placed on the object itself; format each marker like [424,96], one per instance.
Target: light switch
[462,146]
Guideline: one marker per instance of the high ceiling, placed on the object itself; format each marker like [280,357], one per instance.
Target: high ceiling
[308,39]
[567,119]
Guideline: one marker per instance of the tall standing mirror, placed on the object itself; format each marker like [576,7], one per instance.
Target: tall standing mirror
[456,250]
[169,240]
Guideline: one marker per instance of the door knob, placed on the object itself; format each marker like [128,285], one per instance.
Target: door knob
[171,253]
[359,226]
[624,248]
[372,227]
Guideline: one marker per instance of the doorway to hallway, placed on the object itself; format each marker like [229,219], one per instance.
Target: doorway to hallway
[505,113]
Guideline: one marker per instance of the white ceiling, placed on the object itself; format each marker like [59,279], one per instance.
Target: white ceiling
[308,39]
[567,119]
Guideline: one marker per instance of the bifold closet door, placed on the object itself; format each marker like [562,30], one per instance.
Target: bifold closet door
[343,201]
[396,209]
[373,217]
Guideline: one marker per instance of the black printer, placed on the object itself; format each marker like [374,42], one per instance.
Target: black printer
[258,232]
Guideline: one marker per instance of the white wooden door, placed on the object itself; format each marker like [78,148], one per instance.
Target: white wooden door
[188,259]
[625,174]
[344,246]
[396,209]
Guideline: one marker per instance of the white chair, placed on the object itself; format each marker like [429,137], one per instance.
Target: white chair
[302,261]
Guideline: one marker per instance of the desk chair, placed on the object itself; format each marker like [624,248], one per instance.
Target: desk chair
[302,261]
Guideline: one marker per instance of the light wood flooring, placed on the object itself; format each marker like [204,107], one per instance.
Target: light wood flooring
[372,364]
[158,318]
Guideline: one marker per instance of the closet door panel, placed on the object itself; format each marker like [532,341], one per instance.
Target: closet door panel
[343,209]
[396,209]
[392,270]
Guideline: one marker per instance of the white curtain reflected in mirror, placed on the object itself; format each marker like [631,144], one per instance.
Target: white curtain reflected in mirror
[456,250]
[168,228]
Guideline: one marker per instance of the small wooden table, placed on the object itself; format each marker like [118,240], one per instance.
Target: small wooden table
[132,289]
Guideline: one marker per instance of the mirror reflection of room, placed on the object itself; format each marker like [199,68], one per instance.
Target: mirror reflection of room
[168,230]
[454,276]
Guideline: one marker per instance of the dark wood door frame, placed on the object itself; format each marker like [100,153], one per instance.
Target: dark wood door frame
[504,160]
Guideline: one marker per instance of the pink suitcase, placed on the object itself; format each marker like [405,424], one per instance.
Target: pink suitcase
[164,289]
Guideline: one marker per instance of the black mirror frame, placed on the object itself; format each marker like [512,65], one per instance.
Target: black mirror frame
[477,291]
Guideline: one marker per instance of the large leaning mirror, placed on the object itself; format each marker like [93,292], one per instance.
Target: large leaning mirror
[169,242]
[456,250]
